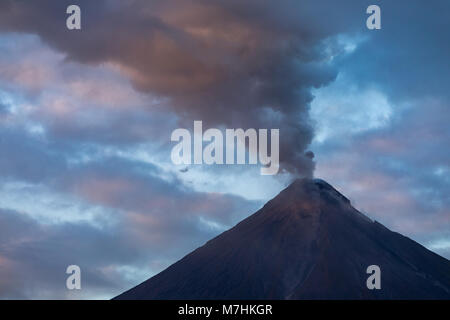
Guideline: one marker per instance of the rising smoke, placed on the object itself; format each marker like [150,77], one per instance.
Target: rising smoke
[240,64]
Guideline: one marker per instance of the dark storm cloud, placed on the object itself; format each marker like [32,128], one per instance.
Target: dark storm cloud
[227,63]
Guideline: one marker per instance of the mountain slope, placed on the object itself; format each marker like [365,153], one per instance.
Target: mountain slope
[306,243]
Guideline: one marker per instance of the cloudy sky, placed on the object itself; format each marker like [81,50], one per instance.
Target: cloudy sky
[86,117]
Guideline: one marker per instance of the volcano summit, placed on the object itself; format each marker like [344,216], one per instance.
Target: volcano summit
[306,243]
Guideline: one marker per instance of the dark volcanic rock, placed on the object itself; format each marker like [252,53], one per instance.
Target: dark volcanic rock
[306,243]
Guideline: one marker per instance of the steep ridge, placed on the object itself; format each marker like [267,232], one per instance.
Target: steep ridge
[306,243]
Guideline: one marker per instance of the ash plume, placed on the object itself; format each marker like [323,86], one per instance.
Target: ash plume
[228,63]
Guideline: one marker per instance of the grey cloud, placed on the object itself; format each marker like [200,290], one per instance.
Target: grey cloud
[26,158]
[156,222]
[407,58]
[137,187]
[223,62]
[398,171]
[3,109]
[85,105]
[34,258]
[112,181]
[398,174]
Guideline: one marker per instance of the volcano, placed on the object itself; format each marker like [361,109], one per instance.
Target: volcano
[306,243]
